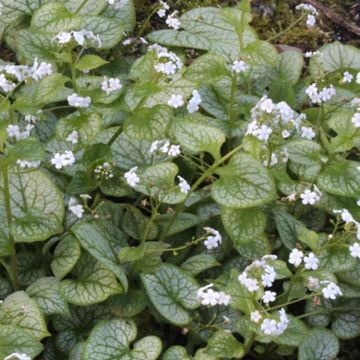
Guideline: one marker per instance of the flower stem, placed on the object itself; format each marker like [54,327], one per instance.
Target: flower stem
[13,269]
[299,20]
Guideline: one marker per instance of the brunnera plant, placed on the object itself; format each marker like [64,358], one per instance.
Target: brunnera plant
[189,194]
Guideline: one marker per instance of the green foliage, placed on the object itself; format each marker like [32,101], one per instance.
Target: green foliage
[199,201]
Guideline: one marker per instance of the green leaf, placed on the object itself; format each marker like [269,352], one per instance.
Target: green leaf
[53,18]
[111,340]
[172,292]
[13,10]
[86,124]
[212,29]
[129,304]
[243,225]
[291,66]
[244,183]
[340,178]
[320,344]
[149,124]
[90,62]
[158,182]
[346,324]
[46,292]
[37,206]
[304,152]
[336,258]
[134,223]
[197,137]
[110,31]
[16,339]
[224,345]
[29,149]
[94,238]
[93,283]
[66,255]
[131,253]
[182,222]
[90,7]
[335,56]
[176,353]
[125,12]
[199,263]
[20,310]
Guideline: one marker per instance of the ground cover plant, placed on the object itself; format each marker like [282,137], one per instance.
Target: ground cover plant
[188,193]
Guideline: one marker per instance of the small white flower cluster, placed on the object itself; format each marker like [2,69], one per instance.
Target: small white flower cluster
[17,356]
[110,85]
[320,97]
[309,197]
[75,208]
[209,297]
[173,21]
[331,290]
[240,66]
[165,147]
[22,72]
[62,160]
[348,219]
[183,185]
[311,54]
[356,119]
[104,171]
[263,274]
[130,40]
[311,18]
[213,239]
[28,164]
[131,177]
[358,78]
[268,117]
[194,102]
[80,37]
[14,131]
[347,78]
[164,7]
[73,137]
[274,160]
[78,101]
[296,257]
[33,119]
[176,101]
[270,326]
[168,62]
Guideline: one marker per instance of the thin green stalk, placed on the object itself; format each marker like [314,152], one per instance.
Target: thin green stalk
[231,112]
[179,208]
[81,6]
[9,221]
[296,22]
[324,311]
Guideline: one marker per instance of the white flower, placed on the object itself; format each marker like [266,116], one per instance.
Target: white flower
[267,105]
[176,101]
[347,77]
[194,102]
[172,21]
[308,8]
[75,208]
[356,120]
[309,197]
[307,133]
[73,137]
[313,283]
[164,8]
[128,41]
[202,290]
[154,146]
[210,297]
[345,215]
[62,160]
[311,262]
[79,101]
[310,54]
[183,185]
[174,150]
[268,297]
[273,161]
[214,238]
[110,85]
[311,21]
[269,276]
[285,134]
[331,291]
[255,316]
[263,133]
[358,78]
[250,284]
[269,327]
[63,37]
[312,92]
[28,164]
[13,131]
[40,71]
[355,250]
[17,356]
[239,66]
[131,177]
[296,257]
[6,85]
[223,299]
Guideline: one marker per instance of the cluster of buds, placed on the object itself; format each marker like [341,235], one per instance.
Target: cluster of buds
[104,171]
